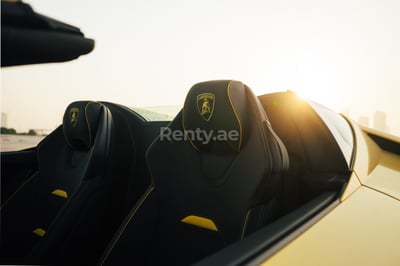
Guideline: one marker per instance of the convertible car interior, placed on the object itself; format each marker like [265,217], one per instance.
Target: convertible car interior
[106,188]
[75,187]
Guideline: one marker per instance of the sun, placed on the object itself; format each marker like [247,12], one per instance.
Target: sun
[321,82]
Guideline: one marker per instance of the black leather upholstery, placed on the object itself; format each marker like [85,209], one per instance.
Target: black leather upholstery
[41,198]
[80,124]
[233,118]
[205,196]
[68,211]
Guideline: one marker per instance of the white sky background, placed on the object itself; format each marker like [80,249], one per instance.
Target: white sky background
[343,54]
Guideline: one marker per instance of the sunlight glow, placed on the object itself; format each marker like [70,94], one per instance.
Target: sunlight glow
[320,81]
[150,54]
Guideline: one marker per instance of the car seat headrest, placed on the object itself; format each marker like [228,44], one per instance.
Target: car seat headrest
[214,116]
[80,124]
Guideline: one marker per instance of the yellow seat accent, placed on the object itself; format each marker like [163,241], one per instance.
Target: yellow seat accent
[39,231]
[235,112]
[200,222]
[60,193]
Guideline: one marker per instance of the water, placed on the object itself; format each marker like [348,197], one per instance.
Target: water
[18,142]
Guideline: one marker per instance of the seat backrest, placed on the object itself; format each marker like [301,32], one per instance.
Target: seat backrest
[64,157]
[86,224]
[70,209]
[216,178]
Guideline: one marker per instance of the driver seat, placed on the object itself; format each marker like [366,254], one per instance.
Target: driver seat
[216,177]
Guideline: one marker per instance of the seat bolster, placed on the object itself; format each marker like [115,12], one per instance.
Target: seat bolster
[141,224]
[101,148]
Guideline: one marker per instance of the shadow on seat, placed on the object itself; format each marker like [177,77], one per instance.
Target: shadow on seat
[216,177]
[67,212]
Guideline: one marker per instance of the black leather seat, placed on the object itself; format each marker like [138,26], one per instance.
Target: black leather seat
[206,193]
[67,212]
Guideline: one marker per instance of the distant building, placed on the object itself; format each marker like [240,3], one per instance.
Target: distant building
[380,121]
[363,121]
[4,120]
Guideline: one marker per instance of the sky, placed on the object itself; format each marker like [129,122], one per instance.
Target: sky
[343,54]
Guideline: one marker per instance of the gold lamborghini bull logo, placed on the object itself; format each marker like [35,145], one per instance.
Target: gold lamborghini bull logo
[205,105]
[73,116]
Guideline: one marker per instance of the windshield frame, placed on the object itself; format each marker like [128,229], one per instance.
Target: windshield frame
[340,129]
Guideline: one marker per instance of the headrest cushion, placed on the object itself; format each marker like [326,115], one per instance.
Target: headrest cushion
[215,115]
[80,124]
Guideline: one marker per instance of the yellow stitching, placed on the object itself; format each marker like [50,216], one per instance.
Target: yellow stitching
[234,111]
[260,111]
[88,123]
[193,145]
[139,204]
[127,222]
[245,224]
[13,194]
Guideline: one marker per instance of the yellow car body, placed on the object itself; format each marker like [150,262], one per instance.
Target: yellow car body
[359,225]
[364,228]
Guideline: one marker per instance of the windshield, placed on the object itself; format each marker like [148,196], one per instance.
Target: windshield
[342,54]
[158,113]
